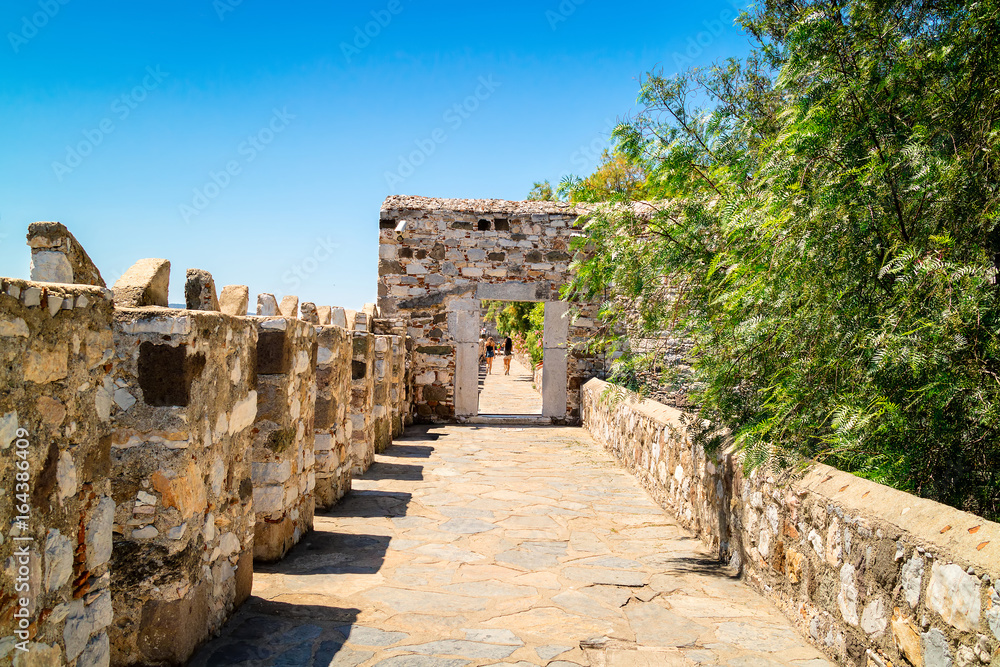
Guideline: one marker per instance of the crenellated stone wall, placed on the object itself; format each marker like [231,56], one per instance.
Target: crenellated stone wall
[362,449]
[398,386]
[381,400]
[439,258]
[333,422]
[56,509]
[184,401]
[874,576]
[162,448]
[283,435]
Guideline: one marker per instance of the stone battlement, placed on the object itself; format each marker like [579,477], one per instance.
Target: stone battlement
[160,451]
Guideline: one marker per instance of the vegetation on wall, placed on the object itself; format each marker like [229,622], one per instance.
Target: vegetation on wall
[826,233]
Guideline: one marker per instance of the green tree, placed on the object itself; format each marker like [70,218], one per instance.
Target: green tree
[542,191]
[522,321]
[826,234]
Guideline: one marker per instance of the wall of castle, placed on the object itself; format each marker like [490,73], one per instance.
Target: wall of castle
[439,258]
[284,476]
[872,575]
[382,389]
[56,509]
[362,449]
[184,401]
[333,423]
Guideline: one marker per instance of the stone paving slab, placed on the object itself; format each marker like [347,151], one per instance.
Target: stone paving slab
[515,546]
[512,394]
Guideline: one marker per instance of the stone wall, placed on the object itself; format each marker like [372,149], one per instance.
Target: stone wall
[283,435]
[382,405]
[399,394]
[156,439]
[56,506]
[184,400]
[362,449]
[333,422]
[438,258]
[871,574]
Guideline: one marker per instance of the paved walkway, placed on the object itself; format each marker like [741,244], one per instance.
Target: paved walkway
[486,545]
[512,394]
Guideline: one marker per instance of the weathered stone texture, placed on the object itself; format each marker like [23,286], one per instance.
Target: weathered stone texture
[289,306]
[199,291]
[450,252]
[234,300]
[283,435]
[865,570]
[399,387]
[57,257]
[333,421]
[184,401]
[381,397]
[309,313]
[267,305]
[55,394]
[146,283]
[324,315]
[362,449]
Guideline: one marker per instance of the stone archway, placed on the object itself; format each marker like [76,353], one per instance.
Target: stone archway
[467,315]
[440,258]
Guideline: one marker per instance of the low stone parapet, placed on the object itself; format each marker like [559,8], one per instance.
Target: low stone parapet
[56,507]
[362,449]
[183,400]
[333,423]
[398,386]
[873,575]
[382,388]
[283,435]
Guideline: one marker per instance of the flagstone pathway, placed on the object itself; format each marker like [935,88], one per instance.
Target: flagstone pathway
[485,545]
[512,394]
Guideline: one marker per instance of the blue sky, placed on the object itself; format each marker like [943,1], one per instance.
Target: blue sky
[257,140]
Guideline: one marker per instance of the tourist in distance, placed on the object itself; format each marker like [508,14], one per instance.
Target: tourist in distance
[491,349]
[508,351]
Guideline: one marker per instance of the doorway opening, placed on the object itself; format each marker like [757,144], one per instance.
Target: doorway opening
[510,358]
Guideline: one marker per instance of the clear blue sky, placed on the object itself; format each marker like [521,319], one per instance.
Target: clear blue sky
[115,116]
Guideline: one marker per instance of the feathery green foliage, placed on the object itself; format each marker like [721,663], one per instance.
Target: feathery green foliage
[826,233]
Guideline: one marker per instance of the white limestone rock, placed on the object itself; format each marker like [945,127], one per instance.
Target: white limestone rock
[847,597]
[955,595]
[58,560]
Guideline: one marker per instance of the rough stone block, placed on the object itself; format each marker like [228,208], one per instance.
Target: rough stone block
[338,318]
[267,305]
[57,257]
[235,300]
[309,313]
[289,306]
[58,426]
[283,435]
[146,283]
[324,314]
[199,291]
[182,476]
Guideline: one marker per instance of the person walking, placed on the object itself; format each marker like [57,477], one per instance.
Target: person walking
[508,352]
[491,350]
